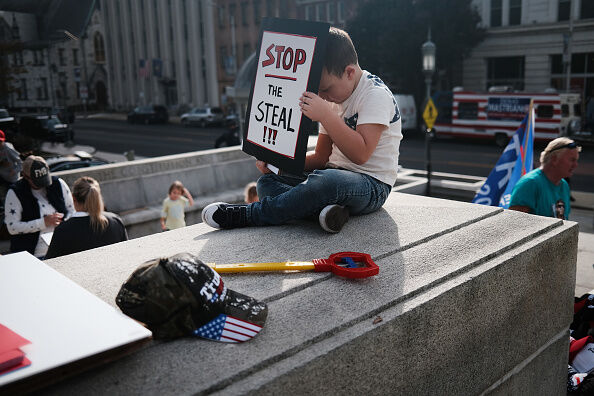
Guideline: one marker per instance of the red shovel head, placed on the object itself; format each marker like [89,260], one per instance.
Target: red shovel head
[347,264]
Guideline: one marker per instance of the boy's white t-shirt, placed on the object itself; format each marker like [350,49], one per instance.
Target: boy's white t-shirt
[372,103]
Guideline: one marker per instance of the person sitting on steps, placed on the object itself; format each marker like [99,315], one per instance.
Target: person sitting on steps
[355,162]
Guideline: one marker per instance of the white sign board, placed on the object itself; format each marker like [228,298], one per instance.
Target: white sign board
[281,79]
[289,63]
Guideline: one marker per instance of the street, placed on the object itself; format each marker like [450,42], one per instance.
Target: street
[462,156]
[152,140]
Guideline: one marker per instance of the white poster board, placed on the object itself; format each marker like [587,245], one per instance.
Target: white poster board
[281,79]
[289,63]
[63,321]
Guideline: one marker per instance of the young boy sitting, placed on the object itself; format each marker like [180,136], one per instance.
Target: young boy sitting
[355,163]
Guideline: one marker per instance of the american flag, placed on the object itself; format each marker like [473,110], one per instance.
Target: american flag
[143,68]
[228,329]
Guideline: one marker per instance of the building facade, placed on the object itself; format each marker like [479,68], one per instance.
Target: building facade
[532,45]
[237,34]
[161,52]
[57,71]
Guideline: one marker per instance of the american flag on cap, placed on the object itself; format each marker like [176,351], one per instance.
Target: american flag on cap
[226,328]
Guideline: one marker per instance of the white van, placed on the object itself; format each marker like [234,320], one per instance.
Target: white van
[408,112]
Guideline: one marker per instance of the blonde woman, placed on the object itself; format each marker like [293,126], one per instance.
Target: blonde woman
[90,226]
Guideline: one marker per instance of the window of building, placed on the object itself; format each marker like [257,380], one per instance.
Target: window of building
[231,12]
[564,110]
[331,12]
[587,9]
[467,110]
[563,10]
[508,71]
[257,12]
[44,88]
[321,12]
[63,79]
[309,10]
[496,13]
[22,91]
[557,64]
[515,12]
[244,18]
[38,58]
[17,58]
[61,57]
[223,55]
[221,16]
[75,56]
[77,90]
[99,48]
[341,15]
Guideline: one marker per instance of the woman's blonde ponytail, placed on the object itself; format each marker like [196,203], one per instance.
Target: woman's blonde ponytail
[86,192]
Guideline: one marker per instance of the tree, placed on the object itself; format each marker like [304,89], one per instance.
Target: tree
[388,35]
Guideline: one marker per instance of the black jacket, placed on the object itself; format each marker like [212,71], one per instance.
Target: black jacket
[76,234]
[22,189]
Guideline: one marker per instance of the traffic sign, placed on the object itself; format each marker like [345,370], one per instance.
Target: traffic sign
[84,91]
[430,114]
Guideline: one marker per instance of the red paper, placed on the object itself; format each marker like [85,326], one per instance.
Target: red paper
[11,357]
[24,363]
[9,340]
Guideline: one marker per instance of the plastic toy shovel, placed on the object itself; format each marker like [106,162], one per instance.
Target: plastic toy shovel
[347,264]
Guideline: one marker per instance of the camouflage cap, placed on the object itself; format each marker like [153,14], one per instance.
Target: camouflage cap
[181,296]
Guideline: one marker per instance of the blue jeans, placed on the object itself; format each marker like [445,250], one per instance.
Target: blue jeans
[286,198]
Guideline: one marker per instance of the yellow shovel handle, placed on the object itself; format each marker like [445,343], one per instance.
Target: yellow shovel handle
[249,267]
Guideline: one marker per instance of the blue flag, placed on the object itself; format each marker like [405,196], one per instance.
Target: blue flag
[515,162]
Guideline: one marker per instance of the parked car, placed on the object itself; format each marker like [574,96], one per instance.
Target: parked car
[47,128]
[80,159]
[203,116]
[7,123]
[148,115]
[408,112]
[231,136]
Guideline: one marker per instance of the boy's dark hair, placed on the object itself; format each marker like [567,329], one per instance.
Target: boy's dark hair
[176,185]
[340,52]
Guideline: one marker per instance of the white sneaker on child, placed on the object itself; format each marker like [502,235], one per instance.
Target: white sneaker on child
[333,218]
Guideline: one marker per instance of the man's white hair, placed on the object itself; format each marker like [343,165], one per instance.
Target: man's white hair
[553,149]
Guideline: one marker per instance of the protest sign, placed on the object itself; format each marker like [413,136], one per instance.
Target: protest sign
[289,62]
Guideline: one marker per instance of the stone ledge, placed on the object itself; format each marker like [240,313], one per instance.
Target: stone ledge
[464,291]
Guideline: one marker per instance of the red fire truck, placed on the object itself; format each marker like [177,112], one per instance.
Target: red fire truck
[497,116]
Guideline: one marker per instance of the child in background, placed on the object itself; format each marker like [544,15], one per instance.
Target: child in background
[172,215]
[250,193]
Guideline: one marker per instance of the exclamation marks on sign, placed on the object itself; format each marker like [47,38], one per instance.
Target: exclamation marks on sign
[271,135]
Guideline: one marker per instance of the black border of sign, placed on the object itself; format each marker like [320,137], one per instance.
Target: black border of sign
[319,30]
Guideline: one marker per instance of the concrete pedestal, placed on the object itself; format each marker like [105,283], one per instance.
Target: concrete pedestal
[469,299]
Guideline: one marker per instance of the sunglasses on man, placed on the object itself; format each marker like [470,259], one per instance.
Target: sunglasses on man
[571,145]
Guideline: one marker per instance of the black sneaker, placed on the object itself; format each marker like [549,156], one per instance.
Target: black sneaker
[333,218]
[223,215]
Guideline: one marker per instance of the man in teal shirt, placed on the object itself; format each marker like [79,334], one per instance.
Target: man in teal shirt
[544,191]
